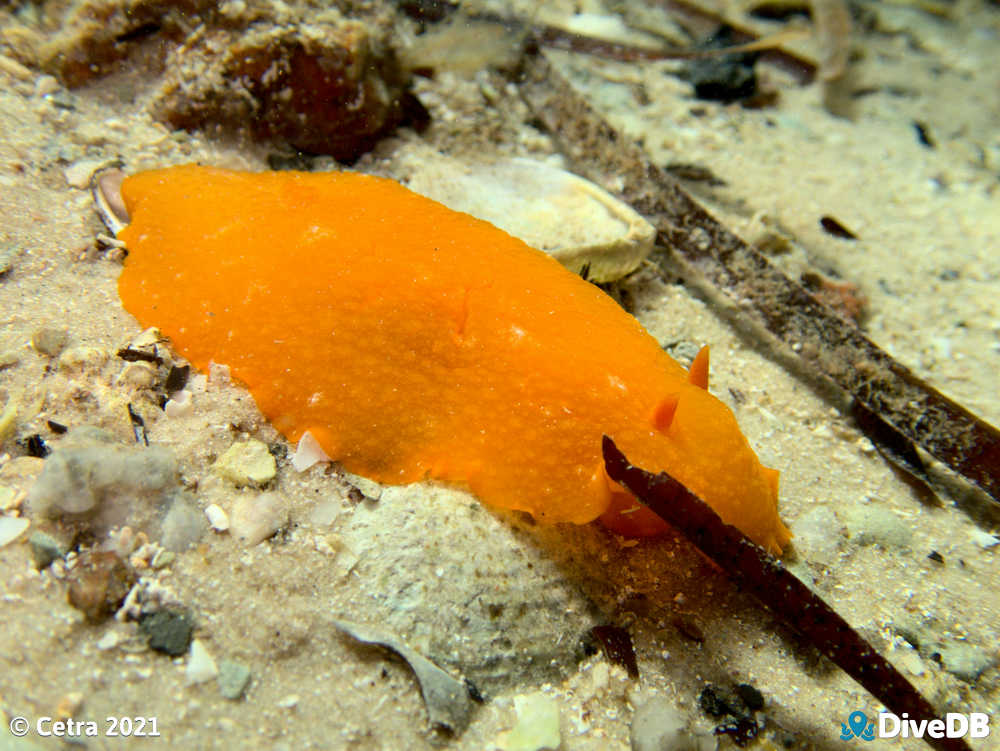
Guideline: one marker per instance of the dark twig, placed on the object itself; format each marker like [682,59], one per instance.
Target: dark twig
[694,244]
[759,573]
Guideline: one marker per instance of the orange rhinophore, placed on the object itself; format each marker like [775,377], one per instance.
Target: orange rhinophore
[417,342]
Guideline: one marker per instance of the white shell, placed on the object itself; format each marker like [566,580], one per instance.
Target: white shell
[571,219]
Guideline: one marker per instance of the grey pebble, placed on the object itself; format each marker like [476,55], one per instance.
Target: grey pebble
[233,679]
[870,525]
[966,661]
[658,725]
[168,630]
[79,480]
[44,549]
[183,526]
[49,340]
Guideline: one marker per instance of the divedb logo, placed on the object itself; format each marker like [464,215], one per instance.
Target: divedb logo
[954,725]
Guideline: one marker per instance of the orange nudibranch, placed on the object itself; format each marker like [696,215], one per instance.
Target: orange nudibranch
[418,342]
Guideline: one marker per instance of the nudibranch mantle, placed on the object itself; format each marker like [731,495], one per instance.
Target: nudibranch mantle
[414,342]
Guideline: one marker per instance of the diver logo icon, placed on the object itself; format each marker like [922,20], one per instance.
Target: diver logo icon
[857,726]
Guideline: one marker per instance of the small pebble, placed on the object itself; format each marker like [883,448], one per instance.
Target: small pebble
[137,375]
[537,725]
[45,85]
[984,539]
[200,667]
[78,174]
[325,512]
[168,630]
[179,405]
[255,518]
[247,463]
[69,705]
[182,526]
[658,725]
[82,479]
[369,488]
[49,340]
[98,585]
[83,359]
[218,518]
[233,679]
[44,549]
[11,527]
[289,702]
[109,641]
[163,558]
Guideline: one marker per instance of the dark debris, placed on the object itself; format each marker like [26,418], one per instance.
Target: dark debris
[760,574]
[616,644]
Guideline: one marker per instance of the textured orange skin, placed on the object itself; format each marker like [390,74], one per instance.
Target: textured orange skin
[417,342]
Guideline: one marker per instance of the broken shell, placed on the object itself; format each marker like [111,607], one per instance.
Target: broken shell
[579,224]
[106,188]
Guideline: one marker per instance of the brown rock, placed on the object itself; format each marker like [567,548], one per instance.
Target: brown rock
[98,585]
[327,88]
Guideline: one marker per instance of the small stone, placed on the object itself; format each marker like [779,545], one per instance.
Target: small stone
[369,488]
[163,558]
[69,705]
[182,526]
[658,725]
[98,585]
[83,359]
[45,85]
[255,518]
[109,641]
[168,630]
[325,512]
[289,702]
[218,518]
[44,549]
[233,679]
[966,661]
[247,463]
[82,479]
[537,725]
[180,404]
[200,667]
[49,340]
[11,527]
[78,174]
[984,539]
[137,375]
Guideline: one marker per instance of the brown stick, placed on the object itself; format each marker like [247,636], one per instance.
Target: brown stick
[763,576]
